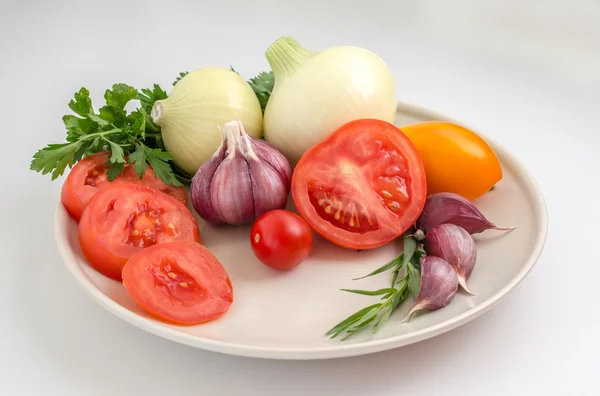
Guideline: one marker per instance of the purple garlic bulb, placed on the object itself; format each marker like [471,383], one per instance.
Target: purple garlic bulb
[244,178]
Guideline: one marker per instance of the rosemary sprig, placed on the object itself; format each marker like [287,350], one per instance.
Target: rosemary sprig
[406,277]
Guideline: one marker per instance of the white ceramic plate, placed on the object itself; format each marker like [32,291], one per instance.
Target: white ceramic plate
[284,315]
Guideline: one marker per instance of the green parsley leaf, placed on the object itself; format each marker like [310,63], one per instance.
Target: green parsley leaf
[181,75]
[114,170]
[138,158]
[120,95]
[263,87]
[117,155]
[81,104]
[158,160]
[78,126]
[54,158]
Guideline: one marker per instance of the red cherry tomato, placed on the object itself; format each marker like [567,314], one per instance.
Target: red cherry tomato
[362,186]
[123,219]
[89,175]
[181,282]
[281,239]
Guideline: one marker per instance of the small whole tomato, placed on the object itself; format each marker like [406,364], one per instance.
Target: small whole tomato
[281,239]
[456,159]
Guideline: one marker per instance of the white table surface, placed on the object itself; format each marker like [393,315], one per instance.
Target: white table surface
[525,72]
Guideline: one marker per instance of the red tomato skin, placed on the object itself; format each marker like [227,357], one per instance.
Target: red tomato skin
[103,235]
[76,193]
[338,147]
[281,239]
[195,263]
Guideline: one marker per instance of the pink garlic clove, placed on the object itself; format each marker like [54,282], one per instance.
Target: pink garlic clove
[452,208]
[231,190]
[269,154]
[455,245]
[200,187]
[439,284]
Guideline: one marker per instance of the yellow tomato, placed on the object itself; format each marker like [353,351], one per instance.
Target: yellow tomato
[456,159]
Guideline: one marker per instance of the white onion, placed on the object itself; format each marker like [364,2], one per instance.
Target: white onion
[317,92]
[202,102]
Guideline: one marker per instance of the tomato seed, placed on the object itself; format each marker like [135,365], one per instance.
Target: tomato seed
[386,194]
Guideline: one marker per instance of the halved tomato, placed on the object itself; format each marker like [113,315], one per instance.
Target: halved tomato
[89,174]
[122,219]
[362,186]
[180,282]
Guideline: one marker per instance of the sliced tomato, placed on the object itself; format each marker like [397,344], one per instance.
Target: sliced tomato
[362,186]
[122,219]
[89,175]
[180,282]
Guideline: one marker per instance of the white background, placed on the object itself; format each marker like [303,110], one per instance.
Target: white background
[525,72]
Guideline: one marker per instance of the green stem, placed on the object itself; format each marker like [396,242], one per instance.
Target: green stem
[98,134]
[285,55]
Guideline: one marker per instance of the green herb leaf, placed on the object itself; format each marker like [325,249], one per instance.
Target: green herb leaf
[263,85]
[337,329]
[81,104]
[379,292]
[158,161]
[54,158]
[181,75]
[414,280]
[148,96]
[115,170]
[117,154]
[120,95]
[389,265]
[138,158]
[77,127]
[410,245]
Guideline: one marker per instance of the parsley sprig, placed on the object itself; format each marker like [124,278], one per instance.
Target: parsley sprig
[406,279]
[130,138]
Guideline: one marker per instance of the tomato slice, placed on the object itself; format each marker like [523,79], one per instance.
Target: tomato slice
[123,219]
[180,282]
[89,175]
[362,186]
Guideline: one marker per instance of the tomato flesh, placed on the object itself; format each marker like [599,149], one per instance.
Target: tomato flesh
[89,175]
[180,282]
[281,239]
[123,218]
[362,186]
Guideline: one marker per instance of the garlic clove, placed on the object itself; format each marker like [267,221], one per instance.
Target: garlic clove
[452,208]
[455,245]
[200,187]
[231,185]
[268,153]
[439,284]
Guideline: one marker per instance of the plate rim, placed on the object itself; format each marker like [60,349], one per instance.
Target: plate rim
[335,350]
